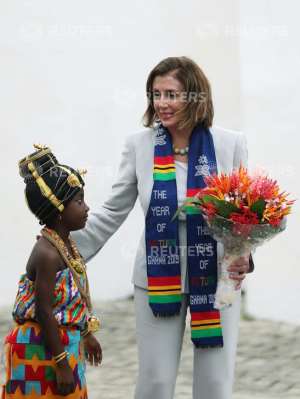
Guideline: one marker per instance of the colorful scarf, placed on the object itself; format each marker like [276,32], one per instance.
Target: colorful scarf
[162,239]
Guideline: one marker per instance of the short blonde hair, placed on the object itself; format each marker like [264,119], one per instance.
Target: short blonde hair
[199,106]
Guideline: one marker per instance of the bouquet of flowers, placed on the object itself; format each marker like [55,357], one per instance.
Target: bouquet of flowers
[242,212]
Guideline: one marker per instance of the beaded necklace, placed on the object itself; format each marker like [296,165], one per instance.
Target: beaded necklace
[78,269]
[75,261]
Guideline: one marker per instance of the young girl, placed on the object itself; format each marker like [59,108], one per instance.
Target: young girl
[44,353]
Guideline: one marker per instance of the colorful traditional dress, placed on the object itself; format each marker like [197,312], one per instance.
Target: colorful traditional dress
[30,367]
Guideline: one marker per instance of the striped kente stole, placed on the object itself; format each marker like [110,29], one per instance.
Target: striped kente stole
[162,239]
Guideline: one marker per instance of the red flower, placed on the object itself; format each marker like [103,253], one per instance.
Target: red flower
[244,222]
[246,217]
[209,209]
[274,222]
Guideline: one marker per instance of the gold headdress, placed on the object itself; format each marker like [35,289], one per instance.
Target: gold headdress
[58,188]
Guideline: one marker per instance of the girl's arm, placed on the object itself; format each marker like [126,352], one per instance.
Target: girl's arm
[46,265]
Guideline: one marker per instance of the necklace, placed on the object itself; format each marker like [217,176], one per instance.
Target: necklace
[77,266]
[75,260]
[181,151]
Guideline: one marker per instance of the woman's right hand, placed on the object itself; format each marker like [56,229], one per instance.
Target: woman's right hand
[64,378]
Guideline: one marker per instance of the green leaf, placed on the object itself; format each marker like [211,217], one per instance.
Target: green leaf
[176,214]
[258,207]
[193,200]
[180,209]
[206,199]
[225,208]
[188,201]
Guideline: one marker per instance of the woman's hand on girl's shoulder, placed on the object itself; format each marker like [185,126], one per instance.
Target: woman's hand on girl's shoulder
[92,349]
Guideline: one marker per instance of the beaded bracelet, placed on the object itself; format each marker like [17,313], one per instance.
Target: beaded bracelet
[60,357]
[85,332]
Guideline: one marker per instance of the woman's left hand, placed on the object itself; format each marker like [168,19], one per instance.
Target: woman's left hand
[238,270]
[92,349]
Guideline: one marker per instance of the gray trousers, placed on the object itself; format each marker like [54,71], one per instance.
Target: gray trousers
[159,343]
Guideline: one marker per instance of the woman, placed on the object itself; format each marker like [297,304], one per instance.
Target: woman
[176,263]
[43,352]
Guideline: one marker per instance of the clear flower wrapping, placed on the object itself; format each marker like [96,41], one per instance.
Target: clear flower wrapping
[238,241]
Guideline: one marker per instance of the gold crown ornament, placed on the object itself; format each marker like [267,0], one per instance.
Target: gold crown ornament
[82,172]
[73,181]
[41,151]
[40,146]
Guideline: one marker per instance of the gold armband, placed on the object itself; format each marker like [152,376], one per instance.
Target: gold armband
[60,357]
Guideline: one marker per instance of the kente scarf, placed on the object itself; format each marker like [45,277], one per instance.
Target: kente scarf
[162,239]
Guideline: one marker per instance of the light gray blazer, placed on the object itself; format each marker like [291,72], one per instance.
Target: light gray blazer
[135,179]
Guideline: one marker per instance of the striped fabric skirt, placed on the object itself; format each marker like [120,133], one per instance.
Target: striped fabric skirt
[30,367]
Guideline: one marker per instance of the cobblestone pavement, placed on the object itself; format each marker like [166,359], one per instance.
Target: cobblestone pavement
[268,360]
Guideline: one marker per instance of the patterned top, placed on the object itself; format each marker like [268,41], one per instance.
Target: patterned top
[69,308]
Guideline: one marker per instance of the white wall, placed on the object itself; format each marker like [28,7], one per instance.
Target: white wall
[73,77]
[270,78]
